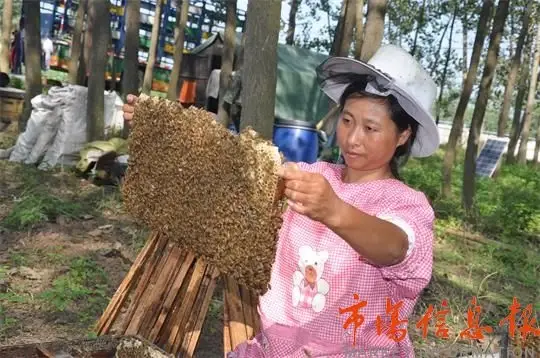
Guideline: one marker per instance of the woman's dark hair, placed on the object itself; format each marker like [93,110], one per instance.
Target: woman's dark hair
[398,115]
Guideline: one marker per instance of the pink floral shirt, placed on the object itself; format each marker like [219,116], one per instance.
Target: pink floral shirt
[317,274]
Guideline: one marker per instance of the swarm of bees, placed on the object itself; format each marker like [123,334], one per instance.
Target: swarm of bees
[217,194]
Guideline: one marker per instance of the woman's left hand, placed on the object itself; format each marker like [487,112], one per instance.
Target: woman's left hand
[310,194]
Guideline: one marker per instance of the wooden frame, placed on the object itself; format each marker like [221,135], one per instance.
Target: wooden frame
[165,296]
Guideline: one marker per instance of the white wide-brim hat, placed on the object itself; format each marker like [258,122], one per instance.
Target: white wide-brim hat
[391,71]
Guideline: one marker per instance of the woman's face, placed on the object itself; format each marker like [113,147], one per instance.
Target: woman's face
[367,135]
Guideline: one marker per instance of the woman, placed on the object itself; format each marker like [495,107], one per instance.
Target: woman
[355,248]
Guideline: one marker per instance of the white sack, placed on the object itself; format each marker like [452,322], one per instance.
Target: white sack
[25,141]
[52,102]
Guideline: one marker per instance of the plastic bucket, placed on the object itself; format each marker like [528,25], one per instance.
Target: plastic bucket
[297,140]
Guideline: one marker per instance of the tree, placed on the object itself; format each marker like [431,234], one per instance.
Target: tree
[229,44]
[343,36]
[512,76]
[439,47]
[295,4]
[469,174]
[527,120]
[420,23]
[447,61]
[464,27]
[32,50]
[374,29]
[77,46]
[151,61]
[518,104]
[179,36]
[536,157]
[260,66]
[457,124]
[99,16]
[5,36]
[130,79]
[348,28]
[359,34]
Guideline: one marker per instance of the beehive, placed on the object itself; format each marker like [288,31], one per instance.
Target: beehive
[214,193]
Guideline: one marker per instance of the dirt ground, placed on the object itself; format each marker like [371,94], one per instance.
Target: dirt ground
[58,273]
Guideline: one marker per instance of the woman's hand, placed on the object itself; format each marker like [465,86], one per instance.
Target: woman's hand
[129,108]
[310,194]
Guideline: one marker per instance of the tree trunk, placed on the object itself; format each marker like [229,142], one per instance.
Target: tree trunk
[259,74]
[295,4]
[439,47]
[374,30]
[76,44]
[527,120]
[130,79]
[359,29]
[348,29]
[32,57]
[537,146]
[149,71]
[338,34]
[228,60]
[518,105]
[464,24]
[512,76]
[6,35]
[99,16]
[82,64]
[457,125]
[469,174]
[179,36]
[447,61]
[88,36]
[419,25]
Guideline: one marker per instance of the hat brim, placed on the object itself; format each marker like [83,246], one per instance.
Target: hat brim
[427,137]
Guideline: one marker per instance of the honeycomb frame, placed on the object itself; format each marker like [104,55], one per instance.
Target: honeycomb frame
[216,194]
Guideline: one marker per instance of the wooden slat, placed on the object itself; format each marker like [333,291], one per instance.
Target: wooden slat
[174,317]
[159,291]
[227,347]
[178,327]
[255,313]
[200,309]
[142,283]
[117,301]
[136,317]
[183,267]
[246,309]
[236,315]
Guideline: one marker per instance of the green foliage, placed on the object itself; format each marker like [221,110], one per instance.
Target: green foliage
[7,323]
[16,82]
[510,204]
[507,206]
[36,206]
[84,284]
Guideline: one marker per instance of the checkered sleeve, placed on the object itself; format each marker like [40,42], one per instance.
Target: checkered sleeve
[415,217]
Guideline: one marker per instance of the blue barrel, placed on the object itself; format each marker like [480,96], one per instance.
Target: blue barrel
[298,140]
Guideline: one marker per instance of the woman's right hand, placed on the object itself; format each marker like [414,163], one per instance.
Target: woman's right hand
[129,108]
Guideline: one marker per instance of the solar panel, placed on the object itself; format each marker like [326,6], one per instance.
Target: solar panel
[489,156]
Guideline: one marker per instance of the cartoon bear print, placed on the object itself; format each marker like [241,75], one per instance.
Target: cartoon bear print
[309,289]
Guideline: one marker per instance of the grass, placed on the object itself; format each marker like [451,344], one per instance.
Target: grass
[507,211]
[83,288]
[37,206]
